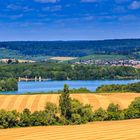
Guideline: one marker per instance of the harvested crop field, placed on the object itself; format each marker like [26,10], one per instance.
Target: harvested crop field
[113,130]
[37,102]
[63,58]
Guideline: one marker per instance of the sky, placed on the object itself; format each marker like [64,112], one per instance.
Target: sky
[69,19]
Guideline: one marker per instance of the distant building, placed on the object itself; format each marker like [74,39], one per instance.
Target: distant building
[16,61]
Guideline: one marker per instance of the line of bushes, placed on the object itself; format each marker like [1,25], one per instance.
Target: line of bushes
[70,111]
[134,87]
[71,91]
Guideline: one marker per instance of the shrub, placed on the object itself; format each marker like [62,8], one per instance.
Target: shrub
[86,114]
[51,109]
[40,118]
[114,112]
[8,119]
[133,110]
[25,118]
[76,118]
[135,104]
[100,115]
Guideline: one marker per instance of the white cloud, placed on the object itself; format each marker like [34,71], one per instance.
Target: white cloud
[135,5]
[46,1]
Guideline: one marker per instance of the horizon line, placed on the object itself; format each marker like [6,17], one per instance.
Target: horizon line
[69,40]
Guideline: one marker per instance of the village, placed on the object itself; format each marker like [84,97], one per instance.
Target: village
[131,63]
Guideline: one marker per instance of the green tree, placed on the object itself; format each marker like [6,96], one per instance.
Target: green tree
[65,102]
[25,118]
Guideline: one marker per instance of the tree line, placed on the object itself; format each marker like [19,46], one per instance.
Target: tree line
[74,48]
[9,84]
[134,87]
[70,111]
[57,71]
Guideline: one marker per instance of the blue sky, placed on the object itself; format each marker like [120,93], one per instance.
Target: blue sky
[69,19]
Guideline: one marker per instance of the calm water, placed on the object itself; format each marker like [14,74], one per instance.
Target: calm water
[46,86]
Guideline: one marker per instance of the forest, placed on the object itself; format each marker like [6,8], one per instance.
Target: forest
[75,48]
[56,71]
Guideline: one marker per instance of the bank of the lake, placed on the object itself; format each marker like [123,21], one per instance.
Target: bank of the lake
[48,86]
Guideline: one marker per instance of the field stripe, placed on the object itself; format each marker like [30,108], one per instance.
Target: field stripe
[30,102]
[104,101]
[23,102]
[77,97]
[55,99]
[85,99]
[12,102]
[17,102]
[94,102]
[43,100]
[2,100]
[6,102]
[117,101]
[34,106]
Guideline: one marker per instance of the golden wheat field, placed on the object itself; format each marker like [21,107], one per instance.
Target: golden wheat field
[37,102]
[117,130]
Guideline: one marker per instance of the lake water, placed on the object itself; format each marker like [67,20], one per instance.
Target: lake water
[46,86]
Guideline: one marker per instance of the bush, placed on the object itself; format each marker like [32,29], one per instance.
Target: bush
[25,118]
[114,112]
[8,119]
[133,110]
[51,109]
[41,118]
[135,104]
[86,114]
[100,115]
[76,118]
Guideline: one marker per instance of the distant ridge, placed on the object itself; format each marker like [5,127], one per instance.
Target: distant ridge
[74,48]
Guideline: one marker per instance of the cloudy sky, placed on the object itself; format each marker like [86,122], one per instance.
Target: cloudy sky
[69,19]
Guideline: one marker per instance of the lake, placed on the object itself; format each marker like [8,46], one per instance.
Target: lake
[46,86]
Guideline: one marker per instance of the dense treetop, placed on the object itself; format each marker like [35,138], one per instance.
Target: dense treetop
[75,48]
[56,71]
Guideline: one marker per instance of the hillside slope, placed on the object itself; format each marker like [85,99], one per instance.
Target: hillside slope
[117,130]
[74,48]
[37,102]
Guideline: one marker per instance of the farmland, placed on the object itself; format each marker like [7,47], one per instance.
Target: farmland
[63,58]
[120,130]
[37,102]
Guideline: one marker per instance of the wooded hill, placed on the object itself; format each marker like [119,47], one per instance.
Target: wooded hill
[74,48]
